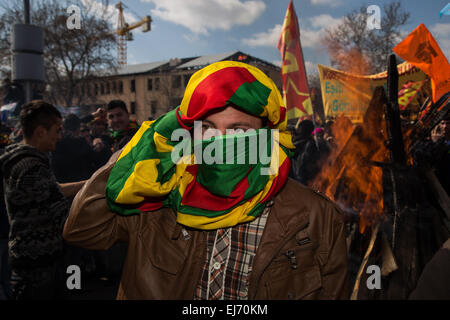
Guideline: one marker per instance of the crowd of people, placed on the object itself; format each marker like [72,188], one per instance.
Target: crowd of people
[62,179]
[74,151]
[313,145]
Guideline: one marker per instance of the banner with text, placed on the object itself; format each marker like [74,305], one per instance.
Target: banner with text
[350,94]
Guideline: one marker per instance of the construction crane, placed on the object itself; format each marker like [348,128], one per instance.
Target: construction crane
[124,32]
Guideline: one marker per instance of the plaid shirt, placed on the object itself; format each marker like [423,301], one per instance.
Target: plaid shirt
[228,264]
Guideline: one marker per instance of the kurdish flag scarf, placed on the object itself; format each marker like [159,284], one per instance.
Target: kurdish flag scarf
[206,196]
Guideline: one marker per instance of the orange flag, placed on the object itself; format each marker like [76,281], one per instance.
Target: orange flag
[295,85]
[422,51]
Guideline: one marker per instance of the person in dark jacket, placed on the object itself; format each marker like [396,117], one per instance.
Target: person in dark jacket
[94,130]
[73,158]
[110,262]
[101,141]
[5,290]
[122,128]
[35,204]
[308,153]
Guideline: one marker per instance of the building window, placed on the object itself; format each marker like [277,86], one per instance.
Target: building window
[149,84]
[102,89]
[88,89]
[153,106]
[133,107]
[95,89]
[120,87]
[176,82]
[156,83]
[175,102]
[108,91]
[186,79]
[114,87]
[133,86]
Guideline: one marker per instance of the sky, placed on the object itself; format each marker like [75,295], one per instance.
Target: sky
[188,28]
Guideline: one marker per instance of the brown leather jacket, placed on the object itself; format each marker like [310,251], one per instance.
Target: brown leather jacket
[163,264]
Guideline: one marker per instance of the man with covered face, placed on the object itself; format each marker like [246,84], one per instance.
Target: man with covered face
[202,229]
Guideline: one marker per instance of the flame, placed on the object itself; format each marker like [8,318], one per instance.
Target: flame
[349,176]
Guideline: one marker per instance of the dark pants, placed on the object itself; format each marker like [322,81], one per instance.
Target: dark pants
[42,283]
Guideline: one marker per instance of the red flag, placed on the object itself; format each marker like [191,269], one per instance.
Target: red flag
[295,85]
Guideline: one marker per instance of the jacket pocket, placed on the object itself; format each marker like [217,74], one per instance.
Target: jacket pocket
[295,256]
[163,253]
[295,273]
[296,284]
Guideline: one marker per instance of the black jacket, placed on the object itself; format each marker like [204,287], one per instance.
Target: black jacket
[307,159]
[73,159]
[35,206]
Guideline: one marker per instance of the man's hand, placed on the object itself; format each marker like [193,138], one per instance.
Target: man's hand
[99,113]
[98,145]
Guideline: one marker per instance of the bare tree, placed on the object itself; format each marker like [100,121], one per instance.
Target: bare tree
[353,47]
[71,56]
[313,80]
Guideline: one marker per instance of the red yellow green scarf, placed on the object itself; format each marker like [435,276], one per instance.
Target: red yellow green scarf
[204,196]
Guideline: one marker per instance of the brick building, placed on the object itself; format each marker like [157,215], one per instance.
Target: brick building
[152,89]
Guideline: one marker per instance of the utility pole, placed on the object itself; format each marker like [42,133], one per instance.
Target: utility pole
[26,9]
[27,84]
[27,46]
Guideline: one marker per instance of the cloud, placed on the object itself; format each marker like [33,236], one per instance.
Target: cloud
[202,16]
[330,3]
[277,63]
[195,39]
[324,21]
[310,36]
[441,32]
[192,38]
[265,39]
